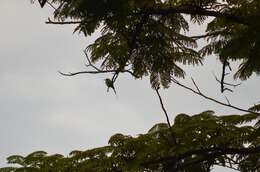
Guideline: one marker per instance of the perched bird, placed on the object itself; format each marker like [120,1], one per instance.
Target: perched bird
[110,84]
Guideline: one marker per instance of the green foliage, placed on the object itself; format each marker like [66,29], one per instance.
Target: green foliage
[255,108]
[202,141]
[149,37]
[237,41]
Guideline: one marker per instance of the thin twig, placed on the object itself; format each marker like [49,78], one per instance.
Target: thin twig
[62,22]
[85,72]
[163,108]
[227,100]
[194,83]
[210,98]
[166,115]
[190,10]
[50,4]
[196,37]
[89,62]
[229,84]
[95,70]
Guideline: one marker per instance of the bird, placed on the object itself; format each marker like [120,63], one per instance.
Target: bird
[110,84]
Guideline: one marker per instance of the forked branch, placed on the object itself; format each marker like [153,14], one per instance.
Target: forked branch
[95,69]
[198,92]
[223,83]
[49,21]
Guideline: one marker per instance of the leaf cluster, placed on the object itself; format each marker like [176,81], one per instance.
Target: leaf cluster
[150,37]
[202,140]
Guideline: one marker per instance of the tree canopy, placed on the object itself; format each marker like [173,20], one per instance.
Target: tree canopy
[202,140]
[151,38]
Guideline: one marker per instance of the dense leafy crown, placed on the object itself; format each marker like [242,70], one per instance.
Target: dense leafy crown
[149,37]
[202,140]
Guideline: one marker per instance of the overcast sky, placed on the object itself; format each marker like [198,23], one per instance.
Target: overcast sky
[42,110]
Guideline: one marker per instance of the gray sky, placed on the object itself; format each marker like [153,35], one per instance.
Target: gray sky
[42,110]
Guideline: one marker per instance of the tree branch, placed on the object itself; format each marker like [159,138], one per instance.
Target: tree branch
[62,22]
[95,70]
[163,108]
[198,92]
[50,4]
[191,10]
[166,115]
[216,33]
[196,10]
[225,63]
[225,83]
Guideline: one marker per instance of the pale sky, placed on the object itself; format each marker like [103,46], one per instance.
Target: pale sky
[42,110]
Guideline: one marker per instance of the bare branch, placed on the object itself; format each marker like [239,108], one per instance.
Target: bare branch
[194,83]
[95,69]
[197,10]
[89,62]
[224,74]
[85,72]
[225,83]
[163,108]
[95,72]
[50,4]
[166,115]
[62,22]
[211,99]
[196,37]
[227,100]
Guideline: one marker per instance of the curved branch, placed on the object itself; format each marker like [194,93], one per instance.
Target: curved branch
[95,70]
[198,92]
[163,108]
[166,115]
[62,22]
[196,10]
[85,72]
[212,34]
[223,83]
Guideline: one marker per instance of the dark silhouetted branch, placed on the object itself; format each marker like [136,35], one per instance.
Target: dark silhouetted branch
[225,83]
[197,10]
[95,69]
[52,6]
[196,37]
[166,115]
[62,22]
[163,108]
[198,92]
